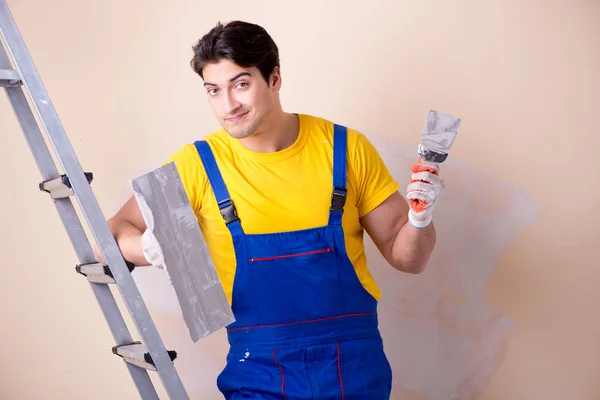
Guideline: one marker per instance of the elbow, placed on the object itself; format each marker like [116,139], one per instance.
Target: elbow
[417,269]
[415,265]
[414,268]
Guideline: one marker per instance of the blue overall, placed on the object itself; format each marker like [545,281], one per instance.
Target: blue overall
[305,326]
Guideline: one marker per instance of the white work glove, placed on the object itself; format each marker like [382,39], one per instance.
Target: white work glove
[152,250]
[423,192]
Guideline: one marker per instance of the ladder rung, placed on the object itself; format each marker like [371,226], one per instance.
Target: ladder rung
[137,354]
[9,77]
[98,272]
[61,187]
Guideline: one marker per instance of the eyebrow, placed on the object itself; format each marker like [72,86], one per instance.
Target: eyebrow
[230,80]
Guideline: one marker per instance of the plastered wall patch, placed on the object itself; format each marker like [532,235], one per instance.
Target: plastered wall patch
[443,340]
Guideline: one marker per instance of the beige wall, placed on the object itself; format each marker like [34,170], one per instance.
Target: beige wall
[508,307]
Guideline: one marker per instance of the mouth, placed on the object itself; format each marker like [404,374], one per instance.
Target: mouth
[237,118]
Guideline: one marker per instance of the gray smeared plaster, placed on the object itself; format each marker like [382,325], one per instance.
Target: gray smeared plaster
[168,213]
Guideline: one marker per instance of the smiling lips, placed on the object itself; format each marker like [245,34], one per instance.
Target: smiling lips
[237,117]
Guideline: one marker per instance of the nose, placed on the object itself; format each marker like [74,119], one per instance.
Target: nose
[231,103]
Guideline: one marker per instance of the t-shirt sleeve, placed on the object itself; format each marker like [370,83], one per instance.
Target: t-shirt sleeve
[373,180]
[191,172]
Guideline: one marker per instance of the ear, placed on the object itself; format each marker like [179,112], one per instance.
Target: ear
[275,79]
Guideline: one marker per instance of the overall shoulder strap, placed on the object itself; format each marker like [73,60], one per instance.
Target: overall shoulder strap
[338,197]
[226,206]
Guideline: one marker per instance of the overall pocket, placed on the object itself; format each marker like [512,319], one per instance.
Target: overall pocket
[291,284]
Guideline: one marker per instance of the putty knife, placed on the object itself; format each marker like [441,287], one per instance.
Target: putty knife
[438,135]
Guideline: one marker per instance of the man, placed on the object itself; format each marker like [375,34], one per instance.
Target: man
[282,200]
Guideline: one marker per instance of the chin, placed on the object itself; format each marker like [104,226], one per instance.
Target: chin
[240,135]
[241,132]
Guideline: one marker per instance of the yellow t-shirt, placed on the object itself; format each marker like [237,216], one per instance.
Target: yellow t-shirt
[285,190]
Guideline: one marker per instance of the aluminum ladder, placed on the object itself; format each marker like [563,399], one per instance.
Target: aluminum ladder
[138,357]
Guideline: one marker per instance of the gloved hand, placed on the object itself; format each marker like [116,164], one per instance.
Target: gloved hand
[423,192]
[151,249]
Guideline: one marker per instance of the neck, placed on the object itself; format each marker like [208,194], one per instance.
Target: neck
[277,133]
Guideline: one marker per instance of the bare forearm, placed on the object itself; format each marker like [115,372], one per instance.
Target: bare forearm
[412,248]
[129,240]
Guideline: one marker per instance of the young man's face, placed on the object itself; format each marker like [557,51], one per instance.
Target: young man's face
[240,97]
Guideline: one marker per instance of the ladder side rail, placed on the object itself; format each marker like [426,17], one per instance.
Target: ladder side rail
[75,231]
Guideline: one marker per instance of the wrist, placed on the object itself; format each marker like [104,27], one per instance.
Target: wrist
[420,220]
[129,241]
[131,248]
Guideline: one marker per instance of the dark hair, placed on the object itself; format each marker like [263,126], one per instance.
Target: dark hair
[244,43]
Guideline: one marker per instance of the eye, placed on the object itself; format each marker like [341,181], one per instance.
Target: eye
[212,92]
[241,85]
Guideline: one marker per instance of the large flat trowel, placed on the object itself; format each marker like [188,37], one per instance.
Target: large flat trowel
[167,211]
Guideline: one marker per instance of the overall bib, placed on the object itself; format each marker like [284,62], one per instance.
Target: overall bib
[305,326]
